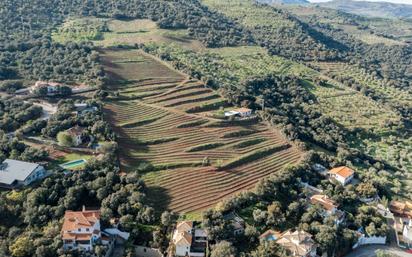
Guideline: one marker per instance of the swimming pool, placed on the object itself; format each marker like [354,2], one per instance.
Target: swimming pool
[73,164]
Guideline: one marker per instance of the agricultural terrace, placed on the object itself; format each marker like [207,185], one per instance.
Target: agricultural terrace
[189,159]
[345,105]
[112,32]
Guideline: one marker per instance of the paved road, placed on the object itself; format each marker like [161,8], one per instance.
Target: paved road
[369,251]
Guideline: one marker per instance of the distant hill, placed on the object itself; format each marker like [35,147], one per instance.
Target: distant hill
[284,1]
[373,9]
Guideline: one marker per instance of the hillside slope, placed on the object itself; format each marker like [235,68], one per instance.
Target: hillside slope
[373,9]
[171,130]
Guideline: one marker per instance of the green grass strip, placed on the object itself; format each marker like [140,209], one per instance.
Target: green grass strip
[192,124]
[250,157]
[247,143]
[239,133]
[204,147]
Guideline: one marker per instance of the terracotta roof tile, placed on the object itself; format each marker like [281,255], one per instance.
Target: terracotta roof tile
[342,171]
[323,200]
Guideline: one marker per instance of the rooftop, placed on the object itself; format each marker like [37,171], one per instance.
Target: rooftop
[298,243]
[74,131]
[12,170]
[74,220]
[342,171]
[324,201]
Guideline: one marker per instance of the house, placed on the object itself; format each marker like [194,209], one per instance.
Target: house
[189,242]
[329,206]
[14,173]
[241,112]
[84,108]
[52,87]
[77,135]
[270,235]
[81,229]
[407,233]
[343,174]
[298,244]
[401,209]
[238,223]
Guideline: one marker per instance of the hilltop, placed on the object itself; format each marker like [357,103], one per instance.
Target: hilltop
[284,1]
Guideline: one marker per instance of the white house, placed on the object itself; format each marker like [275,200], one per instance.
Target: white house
[14,173]
[242,112]
[298,244]
[343,174]
[407,233]
[81,229]
[189,242]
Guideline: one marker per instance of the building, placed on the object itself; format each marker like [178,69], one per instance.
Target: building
[329,206]
[238,223]
[407,233]
[84,108]
[81,229]
[188,241]
[240,112]
[298,244]
[52,87]
[270,235]
[401,209]
[77,135]
[343,174]
[15,173]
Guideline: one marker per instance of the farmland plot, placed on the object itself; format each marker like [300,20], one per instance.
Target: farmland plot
[189,160]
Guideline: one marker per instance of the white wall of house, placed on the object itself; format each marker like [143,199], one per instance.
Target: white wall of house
[182,250]
[38,173]
[343,180]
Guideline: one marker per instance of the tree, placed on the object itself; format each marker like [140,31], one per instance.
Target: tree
[223,249]
[64,139]
[366,190]
[327,238]
[269,249]
[22,247]
[275,215]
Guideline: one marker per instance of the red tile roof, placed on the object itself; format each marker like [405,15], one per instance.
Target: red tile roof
[342,171]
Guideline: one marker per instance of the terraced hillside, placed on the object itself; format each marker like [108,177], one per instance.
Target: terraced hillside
[167,130]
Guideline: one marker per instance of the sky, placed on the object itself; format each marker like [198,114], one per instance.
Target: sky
[392,1]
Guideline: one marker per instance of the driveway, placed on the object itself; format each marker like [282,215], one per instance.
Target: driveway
[369,251]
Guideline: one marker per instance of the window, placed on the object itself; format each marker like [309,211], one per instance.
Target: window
[87,229]
[79,229]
